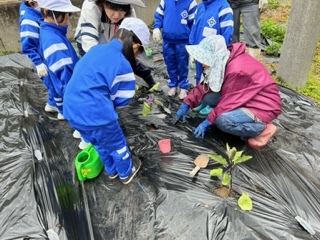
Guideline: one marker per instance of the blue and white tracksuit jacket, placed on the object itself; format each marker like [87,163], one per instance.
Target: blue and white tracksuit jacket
[175,18]
[22,9]
[212,17]
[59,57]
[102,80]
[29,27]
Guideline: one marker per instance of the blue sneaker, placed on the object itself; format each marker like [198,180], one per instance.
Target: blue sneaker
[205,111]
[199,107]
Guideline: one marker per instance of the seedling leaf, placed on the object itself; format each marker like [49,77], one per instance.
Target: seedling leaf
[237,155]
[232,152]
[226,179]
[218,158]
[228,147]
[245,202]
[216,172]
[241,159]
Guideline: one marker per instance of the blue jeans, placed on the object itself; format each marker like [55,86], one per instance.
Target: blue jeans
[238,122]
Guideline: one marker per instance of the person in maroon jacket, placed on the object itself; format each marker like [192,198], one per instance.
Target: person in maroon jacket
[243,96]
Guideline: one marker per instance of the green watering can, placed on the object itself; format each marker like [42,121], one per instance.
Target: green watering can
[88,163]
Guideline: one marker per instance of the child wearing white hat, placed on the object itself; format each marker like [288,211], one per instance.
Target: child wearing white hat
[58,53]
[103,80]
[99,21]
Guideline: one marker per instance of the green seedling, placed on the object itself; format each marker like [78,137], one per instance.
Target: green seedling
[149,102]
[224,172]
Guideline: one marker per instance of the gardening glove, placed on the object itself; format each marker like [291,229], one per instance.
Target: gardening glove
[181,113]
[156,35]
[202,127]
[263,5]
[42,70]
[191,62]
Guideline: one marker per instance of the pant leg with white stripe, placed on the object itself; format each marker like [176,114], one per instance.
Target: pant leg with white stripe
[110,143]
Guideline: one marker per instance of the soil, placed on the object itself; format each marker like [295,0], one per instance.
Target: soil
[279,15]
[222,191]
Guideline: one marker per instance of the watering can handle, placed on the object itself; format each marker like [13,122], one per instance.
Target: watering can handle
[79,173]
[78,169]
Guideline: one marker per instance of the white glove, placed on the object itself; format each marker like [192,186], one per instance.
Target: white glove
[192,62]
[42,70]
[156,35]
[263,5]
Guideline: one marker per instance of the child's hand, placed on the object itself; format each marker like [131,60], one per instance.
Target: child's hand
[42,70]
[156,35]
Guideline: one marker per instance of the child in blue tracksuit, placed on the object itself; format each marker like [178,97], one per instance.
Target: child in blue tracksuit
[175,18]
[29,26]
[212,17]
[103,80]
[58,53]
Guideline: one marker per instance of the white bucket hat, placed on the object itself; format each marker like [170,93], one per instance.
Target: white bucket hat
[138,3]
[212,51]
[138,27]
[58,5]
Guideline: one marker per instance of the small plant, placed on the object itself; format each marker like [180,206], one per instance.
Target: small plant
[273,31]
[273,4]
[224,172]
[149,101]
[273,49]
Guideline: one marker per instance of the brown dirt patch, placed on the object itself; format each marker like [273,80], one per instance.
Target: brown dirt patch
[279,15]
[222,191]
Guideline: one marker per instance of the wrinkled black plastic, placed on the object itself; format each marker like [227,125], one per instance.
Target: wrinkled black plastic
[162,202]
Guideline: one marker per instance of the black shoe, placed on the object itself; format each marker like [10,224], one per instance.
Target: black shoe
[113,176]
[136,165]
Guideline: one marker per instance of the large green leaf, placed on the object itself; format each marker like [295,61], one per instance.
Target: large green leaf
[245,202]
[226,179]
[218,158]
[216,172]
[241,159]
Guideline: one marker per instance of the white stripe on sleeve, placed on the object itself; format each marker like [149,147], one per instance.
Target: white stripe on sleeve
[30,22]
[123,78]
[29,34]
[225,11]
[226,23]
[123,94]
[53,48]
[60,63]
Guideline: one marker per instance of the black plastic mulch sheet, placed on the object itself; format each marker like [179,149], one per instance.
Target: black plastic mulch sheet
[40,192]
